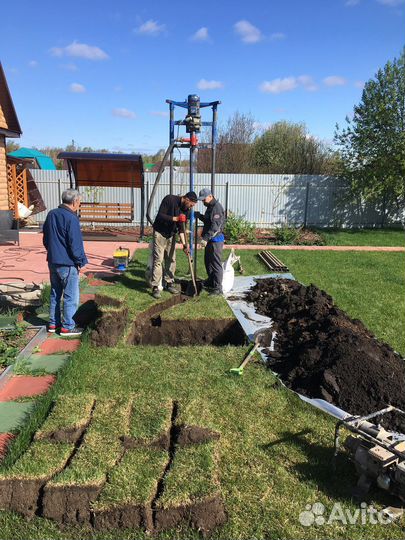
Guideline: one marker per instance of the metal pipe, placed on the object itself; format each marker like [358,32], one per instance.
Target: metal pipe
[171,139]
[192,167]
[214,145]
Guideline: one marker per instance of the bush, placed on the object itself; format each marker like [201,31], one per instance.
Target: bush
[238,229]
[286,235]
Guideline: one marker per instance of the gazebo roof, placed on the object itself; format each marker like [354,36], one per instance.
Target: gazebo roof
[105,170]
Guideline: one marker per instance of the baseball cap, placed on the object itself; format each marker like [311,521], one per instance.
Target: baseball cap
[191,196]
[204,193]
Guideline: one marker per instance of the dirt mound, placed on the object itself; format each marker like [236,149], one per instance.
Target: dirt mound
[322,353]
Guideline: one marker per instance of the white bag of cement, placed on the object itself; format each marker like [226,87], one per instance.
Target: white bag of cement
[229,272]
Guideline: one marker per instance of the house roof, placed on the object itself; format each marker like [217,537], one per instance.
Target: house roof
[104,170]
[44,161]
[9,124]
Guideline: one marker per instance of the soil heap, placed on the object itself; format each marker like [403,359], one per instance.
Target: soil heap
[322,353]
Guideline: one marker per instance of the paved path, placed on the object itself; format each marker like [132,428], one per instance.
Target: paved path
[28,261]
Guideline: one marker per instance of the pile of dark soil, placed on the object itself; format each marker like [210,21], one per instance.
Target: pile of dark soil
[322,353]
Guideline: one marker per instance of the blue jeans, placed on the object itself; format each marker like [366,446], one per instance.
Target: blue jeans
[64,281]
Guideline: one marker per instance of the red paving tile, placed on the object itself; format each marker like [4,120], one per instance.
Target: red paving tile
[25,386]
[54,345]
[5,439]
[86,297]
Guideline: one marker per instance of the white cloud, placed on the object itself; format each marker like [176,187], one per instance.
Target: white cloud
[77,88]
[277,86]
[33,63]
[359,84]
[163,114]
[150,28]
[203,84]
[80,50]
[201,35]
[123,113]
[247,32]
[307,82]
[351,3]
[277,36]
[334,80]
[391,3]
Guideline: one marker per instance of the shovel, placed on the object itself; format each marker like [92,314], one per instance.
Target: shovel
[239,370]
[191,289]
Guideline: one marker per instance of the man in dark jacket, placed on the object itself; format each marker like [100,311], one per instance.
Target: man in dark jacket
[171,218]
[212,238]
[64,244]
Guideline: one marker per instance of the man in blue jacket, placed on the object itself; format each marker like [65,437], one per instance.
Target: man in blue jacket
[212,238]
[64,243]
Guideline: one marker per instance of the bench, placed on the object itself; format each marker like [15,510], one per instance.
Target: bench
[106,212]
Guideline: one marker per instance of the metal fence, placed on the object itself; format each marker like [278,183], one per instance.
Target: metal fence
[264,199]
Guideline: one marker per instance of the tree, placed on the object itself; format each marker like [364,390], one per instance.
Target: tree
[288,148]
[372,145]
[11,146]
[233,146]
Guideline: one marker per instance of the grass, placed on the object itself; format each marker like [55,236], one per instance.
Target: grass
[101,446]
[363,237]
[273,456]
[134,480]
[42,460]
[150,418]
[192,477]
[70,412]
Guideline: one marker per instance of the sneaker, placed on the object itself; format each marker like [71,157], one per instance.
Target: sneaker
[52,328]
[172,289]
[76,331]
[156,293]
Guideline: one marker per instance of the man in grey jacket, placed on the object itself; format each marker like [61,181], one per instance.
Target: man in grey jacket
[212,238]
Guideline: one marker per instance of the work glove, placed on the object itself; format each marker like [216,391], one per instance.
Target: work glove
[203,243]
[186,249]
[197,215]
[182,218]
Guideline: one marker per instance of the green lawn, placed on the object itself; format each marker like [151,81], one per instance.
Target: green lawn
[363,237]
[273,455]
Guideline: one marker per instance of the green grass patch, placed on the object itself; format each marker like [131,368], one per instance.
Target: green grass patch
[363,237]
[149,419]
[192,476]
[70,412]
[42,460]
[134,480]
[101,446]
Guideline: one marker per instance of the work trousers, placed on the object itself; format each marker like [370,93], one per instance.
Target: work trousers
[213,264]
[164,259]
[64,282]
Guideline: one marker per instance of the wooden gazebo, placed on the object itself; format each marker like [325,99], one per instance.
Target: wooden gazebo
[107,170]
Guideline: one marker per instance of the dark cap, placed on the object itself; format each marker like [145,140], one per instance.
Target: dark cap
[191,196]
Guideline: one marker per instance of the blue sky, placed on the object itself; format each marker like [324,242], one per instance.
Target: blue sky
[99,72]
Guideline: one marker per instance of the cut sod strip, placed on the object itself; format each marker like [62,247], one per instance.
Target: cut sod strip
[194,423]
[68,496]
[125,500]
[68,420]
[191,494]
[21,485]
[150,423]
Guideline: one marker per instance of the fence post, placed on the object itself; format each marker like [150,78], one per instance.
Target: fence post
[226,199]
[306,205]
[59,191]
